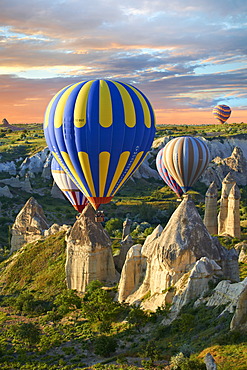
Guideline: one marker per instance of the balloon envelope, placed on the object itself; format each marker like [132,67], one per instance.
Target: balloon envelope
[186,158]
[66,185]
[99,131]
[222,112]
[164,174]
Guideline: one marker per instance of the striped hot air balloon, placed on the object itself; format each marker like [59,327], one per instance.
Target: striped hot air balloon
[164,174]
[186,158]
[99,131]
[66,185]
[222,112]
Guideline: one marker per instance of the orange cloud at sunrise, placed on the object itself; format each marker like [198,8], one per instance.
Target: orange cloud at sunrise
[185,59]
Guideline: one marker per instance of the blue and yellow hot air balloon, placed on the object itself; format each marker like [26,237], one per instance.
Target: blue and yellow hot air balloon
[186,158]
[68,188]
[222,112]
[99,131]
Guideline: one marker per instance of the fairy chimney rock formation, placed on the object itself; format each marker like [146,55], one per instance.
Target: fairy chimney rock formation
[210,216]
[126,228]
[119,259]
[174,253]
[131,275]
[227,184]
[29,225]
[89,254]
[233,214]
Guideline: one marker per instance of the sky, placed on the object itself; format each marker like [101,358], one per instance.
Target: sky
[186,56]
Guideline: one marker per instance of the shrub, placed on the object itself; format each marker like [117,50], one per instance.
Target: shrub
[27,304]
[29,333]
[150,350]
[138,317]
[184,323]
[180,362]
[104,345]
[67,301]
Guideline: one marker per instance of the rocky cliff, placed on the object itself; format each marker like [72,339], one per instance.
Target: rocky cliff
[172,255]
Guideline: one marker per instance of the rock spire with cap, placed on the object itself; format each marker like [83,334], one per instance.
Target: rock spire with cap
[227,184]
[210,216]
[233,214]
[89,254]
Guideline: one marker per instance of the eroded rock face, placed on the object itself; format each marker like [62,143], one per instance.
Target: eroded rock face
[9,167]
[132,271]
[233,217]
[34,164]
[195,283]
[29,225]
[55,228]
[228,294]
[239,320]
[210,215]
[15,182]
[89,254]
[184,241]
[5,192]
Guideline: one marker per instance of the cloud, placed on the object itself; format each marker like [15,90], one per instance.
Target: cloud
[182,54]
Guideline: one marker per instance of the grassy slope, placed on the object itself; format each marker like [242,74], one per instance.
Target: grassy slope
[37,267]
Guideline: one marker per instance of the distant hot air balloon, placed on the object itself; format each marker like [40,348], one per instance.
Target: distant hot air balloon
[164,174]
[222,112]
[186,158]
[99,131]
[66,185]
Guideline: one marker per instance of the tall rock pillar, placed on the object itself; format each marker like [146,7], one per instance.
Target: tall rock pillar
[233,216]
[89,254]
[227,184]
[210,216]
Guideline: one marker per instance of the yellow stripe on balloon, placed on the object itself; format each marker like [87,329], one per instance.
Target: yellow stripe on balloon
[145,107]
[104,159]
[76,178]
[80,110]
[48,109]
[120,167]
[86,169]
[73,171]
[58,117]
[105,105]
[137,159]
[129,108]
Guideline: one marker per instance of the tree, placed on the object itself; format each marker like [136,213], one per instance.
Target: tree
[67,301]
[113,224]
[98,306]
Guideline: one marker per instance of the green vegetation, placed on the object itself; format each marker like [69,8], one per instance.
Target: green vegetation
[209,131]
[21,143]
[43,325]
